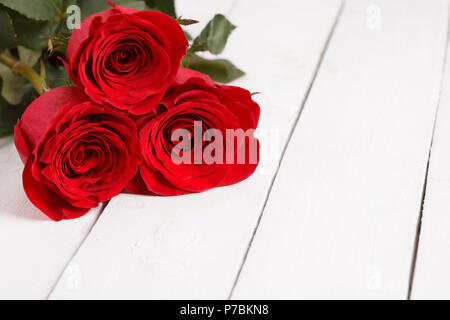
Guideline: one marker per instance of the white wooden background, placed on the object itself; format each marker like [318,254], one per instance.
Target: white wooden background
[351,199]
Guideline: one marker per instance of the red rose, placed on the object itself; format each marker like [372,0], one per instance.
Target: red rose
[126,58]
[204,112]
[76,153]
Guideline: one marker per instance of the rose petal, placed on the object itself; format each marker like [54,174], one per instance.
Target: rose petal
[55,207]
[37,117]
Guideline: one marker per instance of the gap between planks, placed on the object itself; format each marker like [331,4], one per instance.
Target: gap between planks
[103,207]
[424,189]
[297,119]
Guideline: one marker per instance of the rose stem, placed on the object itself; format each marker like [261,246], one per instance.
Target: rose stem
[24,70]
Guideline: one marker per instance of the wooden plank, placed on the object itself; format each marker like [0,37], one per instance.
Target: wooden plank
[34,250]
[193,246]
[341,219]
[432,278]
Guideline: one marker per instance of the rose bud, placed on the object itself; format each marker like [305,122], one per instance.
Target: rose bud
[76,153]
[202,138]
[125,57]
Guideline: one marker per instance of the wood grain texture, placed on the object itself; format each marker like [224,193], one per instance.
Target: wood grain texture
[341,219]
[34,250]
[432,276]
[193,246]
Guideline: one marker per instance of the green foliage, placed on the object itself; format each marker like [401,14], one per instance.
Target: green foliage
[188,35]
[36,9]
[58,42]
[214,36]
[8,117]
[89,7]
[25,29]
[28,56]
[12,85]
[9,113]
[35,33]
[186,22]
[7,33]
[219,70]
[166,6]
[55,74]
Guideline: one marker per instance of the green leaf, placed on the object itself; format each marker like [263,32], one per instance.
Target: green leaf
[28,56]
[138,5]
[9,114]
[13,85]
[214,36]
[89,7]
[54,74]
[186,22]
[43,75]
[35,9]
[188,35]
[33,34]
[58,77]
[219,70]
[166,6]
[7,32]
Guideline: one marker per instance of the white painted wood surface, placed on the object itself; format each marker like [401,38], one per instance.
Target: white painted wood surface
[193,246]
[34,250]
[432,274]
[341,218]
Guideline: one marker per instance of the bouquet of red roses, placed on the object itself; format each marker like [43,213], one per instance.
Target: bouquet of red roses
[135,120]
